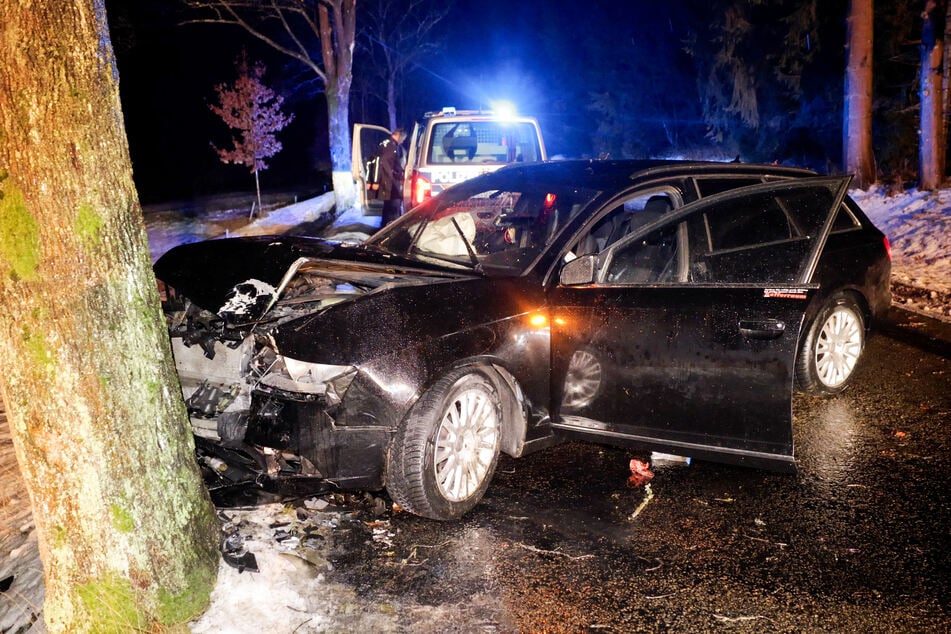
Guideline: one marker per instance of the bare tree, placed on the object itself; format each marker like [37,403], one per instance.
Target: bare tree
[127,533]
[858,158]
[857,128]
[254,111]
[396,37]
[320,35]
[930,91]
[946,80]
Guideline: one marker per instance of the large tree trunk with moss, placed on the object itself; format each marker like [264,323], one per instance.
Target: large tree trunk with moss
[127,532]
[858,158]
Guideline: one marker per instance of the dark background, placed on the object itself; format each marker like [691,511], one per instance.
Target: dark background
[604,78]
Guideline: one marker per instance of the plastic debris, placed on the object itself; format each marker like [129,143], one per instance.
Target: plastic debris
[233,551]
[641,474]
[648,496]
[316,504]
[668,459]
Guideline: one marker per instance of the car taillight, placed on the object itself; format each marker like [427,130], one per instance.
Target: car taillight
[422,189]
[888,248]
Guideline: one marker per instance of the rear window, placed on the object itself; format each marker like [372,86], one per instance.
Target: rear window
[482,142]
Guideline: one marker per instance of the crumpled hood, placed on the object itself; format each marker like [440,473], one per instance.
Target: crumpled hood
[206,272]
[240,275]
[322,303]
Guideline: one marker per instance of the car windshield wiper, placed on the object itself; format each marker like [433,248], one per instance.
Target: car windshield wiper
[476,265]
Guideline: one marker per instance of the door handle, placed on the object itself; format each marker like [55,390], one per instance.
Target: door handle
[762,328]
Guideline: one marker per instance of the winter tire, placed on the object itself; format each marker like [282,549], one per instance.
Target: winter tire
[443,456]
[832,347]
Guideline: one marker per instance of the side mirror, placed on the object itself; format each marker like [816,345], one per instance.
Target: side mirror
[579,271]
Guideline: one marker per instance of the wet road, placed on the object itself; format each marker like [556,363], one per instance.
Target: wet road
[858,540]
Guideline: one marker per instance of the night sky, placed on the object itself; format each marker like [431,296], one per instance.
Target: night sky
[549,58]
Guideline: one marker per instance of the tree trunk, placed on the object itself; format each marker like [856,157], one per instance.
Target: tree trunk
[391,100]
[127,533]
[337,26]
[257,188]
[338,115]
[930,91]
[945,88]
[857,129]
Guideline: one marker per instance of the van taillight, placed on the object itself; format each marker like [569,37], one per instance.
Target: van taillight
[422,189]
[888,248]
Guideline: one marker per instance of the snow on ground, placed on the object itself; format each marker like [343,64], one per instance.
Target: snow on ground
[170,225]
[288,592]
[918,225]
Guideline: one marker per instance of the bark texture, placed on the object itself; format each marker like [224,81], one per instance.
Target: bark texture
[127,533]
[858,158]
[930,143]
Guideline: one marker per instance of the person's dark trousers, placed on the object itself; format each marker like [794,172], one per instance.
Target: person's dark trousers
[392,209]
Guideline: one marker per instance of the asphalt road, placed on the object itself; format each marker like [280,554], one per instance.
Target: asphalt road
[859,540]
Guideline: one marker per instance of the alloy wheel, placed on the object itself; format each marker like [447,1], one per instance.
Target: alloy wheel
[466,443]
[838,346]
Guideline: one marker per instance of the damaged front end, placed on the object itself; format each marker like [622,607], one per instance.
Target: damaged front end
[264,422]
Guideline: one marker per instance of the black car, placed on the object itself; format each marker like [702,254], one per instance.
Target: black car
[668,306]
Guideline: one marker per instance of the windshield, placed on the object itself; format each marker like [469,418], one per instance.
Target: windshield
[498,226]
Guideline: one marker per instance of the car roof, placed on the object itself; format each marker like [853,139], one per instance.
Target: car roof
[615,173]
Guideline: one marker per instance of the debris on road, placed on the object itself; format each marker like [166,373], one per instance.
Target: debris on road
[668,460]
[649,495]
[641,474]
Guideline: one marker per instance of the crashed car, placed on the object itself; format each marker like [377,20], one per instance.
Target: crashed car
[667,306]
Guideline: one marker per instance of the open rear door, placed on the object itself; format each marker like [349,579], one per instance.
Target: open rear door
[366,139]
[686,340]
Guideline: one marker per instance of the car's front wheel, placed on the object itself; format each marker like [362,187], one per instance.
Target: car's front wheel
[832,347]
[443,455]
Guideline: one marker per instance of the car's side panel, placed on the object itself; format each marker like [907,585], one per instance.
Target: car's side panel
[687,368]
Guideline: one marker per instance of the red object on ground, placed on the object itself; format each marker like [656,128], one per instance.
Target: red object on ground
[641,474]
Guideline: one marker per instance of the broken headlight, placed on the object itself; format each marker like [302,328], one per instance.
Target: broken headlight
[290,375]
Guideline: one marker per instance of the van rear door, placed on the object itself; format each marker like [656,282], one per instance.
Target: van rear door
[366,139]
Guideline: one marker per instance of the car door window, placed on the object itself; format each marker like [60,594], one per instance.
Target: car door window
[763,236]
[845,220]
[624,219]
[710,185]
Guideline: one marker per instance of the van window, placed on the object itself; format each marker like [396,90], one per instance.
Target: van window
[482,142]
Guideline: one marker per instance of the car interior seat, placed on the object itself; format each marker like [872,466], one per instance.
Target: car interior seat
[654,208]
[647,260]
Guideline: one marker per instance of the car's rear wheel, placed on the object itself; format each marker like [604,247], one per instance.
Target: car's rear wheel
[832,347]
[443,455]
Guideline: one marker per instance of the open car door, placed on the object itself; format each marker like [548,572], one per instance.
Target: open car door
[682,336]
[366,139]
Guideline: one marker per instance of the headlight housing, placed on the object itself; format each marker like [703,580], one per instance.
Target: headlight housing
[291,375]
